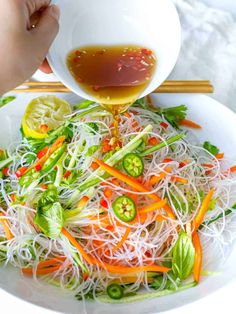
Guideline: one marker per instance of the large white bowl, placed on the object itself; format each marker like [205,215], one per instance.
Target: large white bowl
[150,23]
[219,126]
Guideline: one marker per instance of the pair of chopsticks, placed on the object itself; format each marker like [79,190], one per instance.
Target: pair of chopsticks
[203,87]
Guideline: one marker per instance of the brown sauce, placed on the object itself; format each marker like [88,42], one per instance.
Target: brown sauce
[115,76]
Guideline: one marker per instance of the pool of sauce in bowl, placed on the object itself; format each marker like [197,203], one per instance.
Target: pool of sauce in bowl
[115,76]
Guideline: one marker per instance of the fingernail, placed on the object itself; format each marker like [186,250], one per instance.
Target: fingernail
[54,11]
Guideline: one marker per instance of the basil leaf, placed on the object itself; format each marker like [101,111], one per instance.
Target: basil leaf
[211,148]
[175,114]
[183,256]
[50,220]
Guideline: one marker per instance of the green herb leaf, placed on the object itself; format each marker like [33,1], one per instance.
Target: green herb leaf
[6,100]
[84,105]
[92,150]
[92,127]
[48,197]
[183,256]
[220,216]
[141,103]
[50,220]
[175,114]
[214,150]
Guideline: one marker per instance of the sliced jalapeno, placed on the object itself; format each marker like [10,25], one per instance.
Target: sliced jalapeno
[124,208]
[53,159]
[115,291]
[29,178]
[133,165]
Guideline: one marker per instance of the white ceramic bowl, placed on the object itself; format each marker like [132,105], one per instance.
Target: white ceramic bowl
[203,110]
[150,23]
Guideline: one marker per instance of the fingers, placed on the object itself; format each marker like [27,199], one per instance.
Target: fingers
[35,5]
[45,31]
[45,67]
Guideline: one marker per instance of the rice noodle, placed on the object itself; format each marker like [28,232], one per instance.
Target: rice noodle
[149,242]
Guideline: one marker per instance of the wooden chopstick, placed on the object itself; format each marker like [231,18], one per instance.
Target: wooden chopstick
[166,87]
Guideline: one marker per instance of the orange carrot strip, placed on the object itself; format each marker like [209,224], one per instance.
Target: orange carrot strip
[94,165]
[108,193]
[155,179]
[220,156]
[6,227]
[202,211]
[124,238]
[127,115]
[51,150]
[134,184]
[41,271]
[143,217]
[77,246]
[110,268]
[51,262]
[198,257]
[152,207]
[233,169]
[180,180]
[190,124]
[82,202]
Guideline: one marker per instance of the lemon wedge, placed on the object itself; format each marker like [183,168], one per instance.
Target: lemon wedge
[44,114]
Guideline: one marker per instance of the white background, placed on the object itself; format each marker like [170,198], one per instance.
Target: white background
[223,301]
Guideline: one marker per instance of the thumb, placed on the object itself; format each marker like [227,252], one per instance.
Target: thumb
[46,30]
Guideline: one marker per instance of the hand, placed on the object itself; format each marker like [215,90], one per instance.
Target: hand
[28,28]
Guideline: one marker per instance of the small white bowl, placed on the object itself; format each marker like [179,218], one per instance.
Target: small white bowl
[149,23]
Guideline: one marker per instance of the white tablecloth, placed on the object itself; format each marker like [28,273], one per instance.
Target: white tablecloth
[208,48]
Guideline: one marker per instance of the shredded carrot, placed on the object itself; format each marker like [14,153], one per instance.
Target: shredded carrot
[135,125]
[82,202]
[110,268]
[202,211]
[152,207]
[208,166]
[220,156]
[198,257]
[124,238]
[50,151]
[179,180]
[134,184]
[94,165]
[51,262]
[155,179]
[143,217]
[190,124]
[127,115]
[41,271]
[43,186]
[233,169]
[13,197]
[6,227]
[108,193]
[77,246]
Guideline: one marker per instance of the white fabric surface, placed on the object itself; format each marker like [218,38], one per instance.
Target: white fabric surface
[208,48]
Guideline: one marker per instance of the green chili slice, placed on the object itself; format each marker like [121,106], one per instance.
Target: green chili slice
[115,291]
[53,159]
[133,165]
[29,178]
[124,208]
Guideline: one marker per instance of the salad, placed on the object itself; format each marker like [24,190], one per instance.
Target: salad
[114,221]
